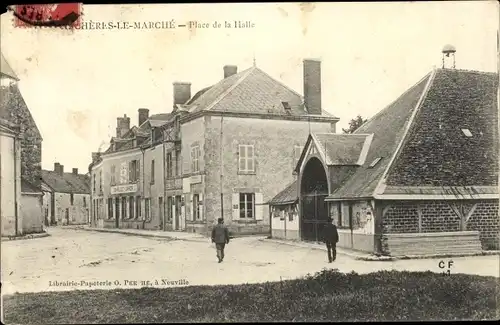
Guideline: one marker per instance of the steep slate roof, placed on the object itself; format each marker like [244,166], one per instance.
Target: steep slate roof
[27,187]
[250,91]
[387,128]
[5,68]
[67,183]
[287,196]
[434,151]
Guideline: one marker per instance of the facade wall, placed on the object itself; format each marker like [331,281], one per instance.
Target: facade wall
[444,216]
[31,212]
[273,142]
[153,188]
[67,213]
[9,190]
[285,222]
[47,206]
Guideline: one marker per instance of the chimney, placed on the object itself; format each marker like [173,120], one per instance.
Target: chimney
[58,168]
[143,115]
[75,171]
[122,125]
[312,86]
[182,93]
[229,70]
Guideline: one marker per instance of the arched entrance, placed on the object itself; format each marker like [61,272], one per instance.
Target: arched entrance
[313,190]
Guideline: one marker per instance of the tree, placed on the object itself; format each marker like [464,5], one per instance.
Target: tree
[354,124]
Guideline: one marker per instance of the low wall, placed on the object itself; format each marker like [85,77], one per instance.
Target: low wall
[235,229]
[288,234]
[460,242]
[356,241]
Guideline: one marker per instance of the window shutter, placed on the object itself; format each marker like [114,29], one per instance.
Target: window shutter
[236,206]
[130,167]
[138,170]
[202,207]
[189,203]
[259,207]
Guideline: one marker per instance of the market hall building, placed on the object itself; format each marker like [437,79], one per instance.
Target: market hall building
[420,177]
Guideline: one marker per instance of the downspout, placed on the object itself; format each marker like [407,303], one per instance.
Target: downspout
[16,214]
[221,169]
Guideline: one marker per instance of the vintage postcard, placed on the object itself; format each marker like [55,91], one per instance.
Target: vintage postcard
[249,162]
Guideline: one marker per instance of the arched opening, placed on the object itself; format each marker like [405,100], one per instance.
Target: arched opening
[313,190]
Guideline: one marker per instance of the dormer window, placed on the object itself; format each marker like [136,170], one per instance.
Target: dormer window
[287,107]
[375,162]
[467,133]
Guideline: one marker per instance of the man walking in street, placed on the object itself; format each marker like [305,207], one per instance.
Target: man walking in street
[331,238]
[220,236]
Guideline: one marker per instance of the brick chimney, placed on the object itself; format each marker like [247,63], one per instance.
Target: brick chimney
[229,70]
[312,86]
[143,115]
[75,171]
[58,168]
[122,125]
[182,92]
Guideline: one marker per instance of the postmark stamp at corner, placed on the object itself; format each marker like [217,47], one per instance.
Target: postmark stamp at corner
[65,15]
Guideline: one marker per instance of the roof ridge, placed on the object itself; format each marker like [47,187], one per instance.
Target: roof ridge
[470,71]
[413,115]
[245,74]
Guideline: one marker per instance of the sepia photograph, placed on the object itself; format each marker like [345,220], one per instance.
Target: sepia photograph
[249,162]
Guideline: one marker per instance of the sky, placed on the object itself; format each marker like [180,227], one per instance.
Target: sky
[77,82]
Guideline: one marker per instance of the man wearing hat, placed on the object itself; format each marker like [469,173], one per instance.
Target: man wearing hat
[220,236]
[331,238]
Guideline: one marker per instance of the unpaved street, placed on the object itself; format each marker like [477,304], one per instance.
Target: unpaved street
[84,257]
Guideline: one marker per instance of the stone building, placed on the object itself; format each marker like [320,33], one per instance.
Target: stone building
[223,152]
[14,110]
[419,177]
[66,199]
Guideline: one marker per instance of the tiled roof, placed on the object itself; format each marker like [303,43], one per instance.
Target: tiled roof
[436,151]
[13,108]
[5,68]
[341,149]
[249,91]
[68,183]
[387,128]
[287,196]
[27,187]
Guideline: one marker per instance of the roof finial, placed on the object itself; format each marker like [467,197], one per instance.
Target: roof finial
[254,61]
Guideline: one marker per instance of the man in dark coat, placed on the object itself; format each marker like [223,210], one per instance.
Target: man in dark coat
[220,236]
[331,238]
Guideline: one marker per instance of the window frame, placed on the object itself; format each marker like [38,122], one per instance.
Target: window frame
[243,212]
[245,158]
[195,159]
[169,164]
[152,172]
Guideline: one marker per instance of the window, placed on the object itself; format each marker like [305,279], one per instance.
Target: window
[169,165]
[71,199]
[110,208]
[247,204]
[147,203]
[178,162]
[246,158]
[374,162]
[196,207]
[138,211]
[169,208]
[467,133]
[100,181]
[152,175]
[117,208]
[195,159]
[94,184]
[124,207]
[134,168]
[130,207]
[84,202]
[113,175]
